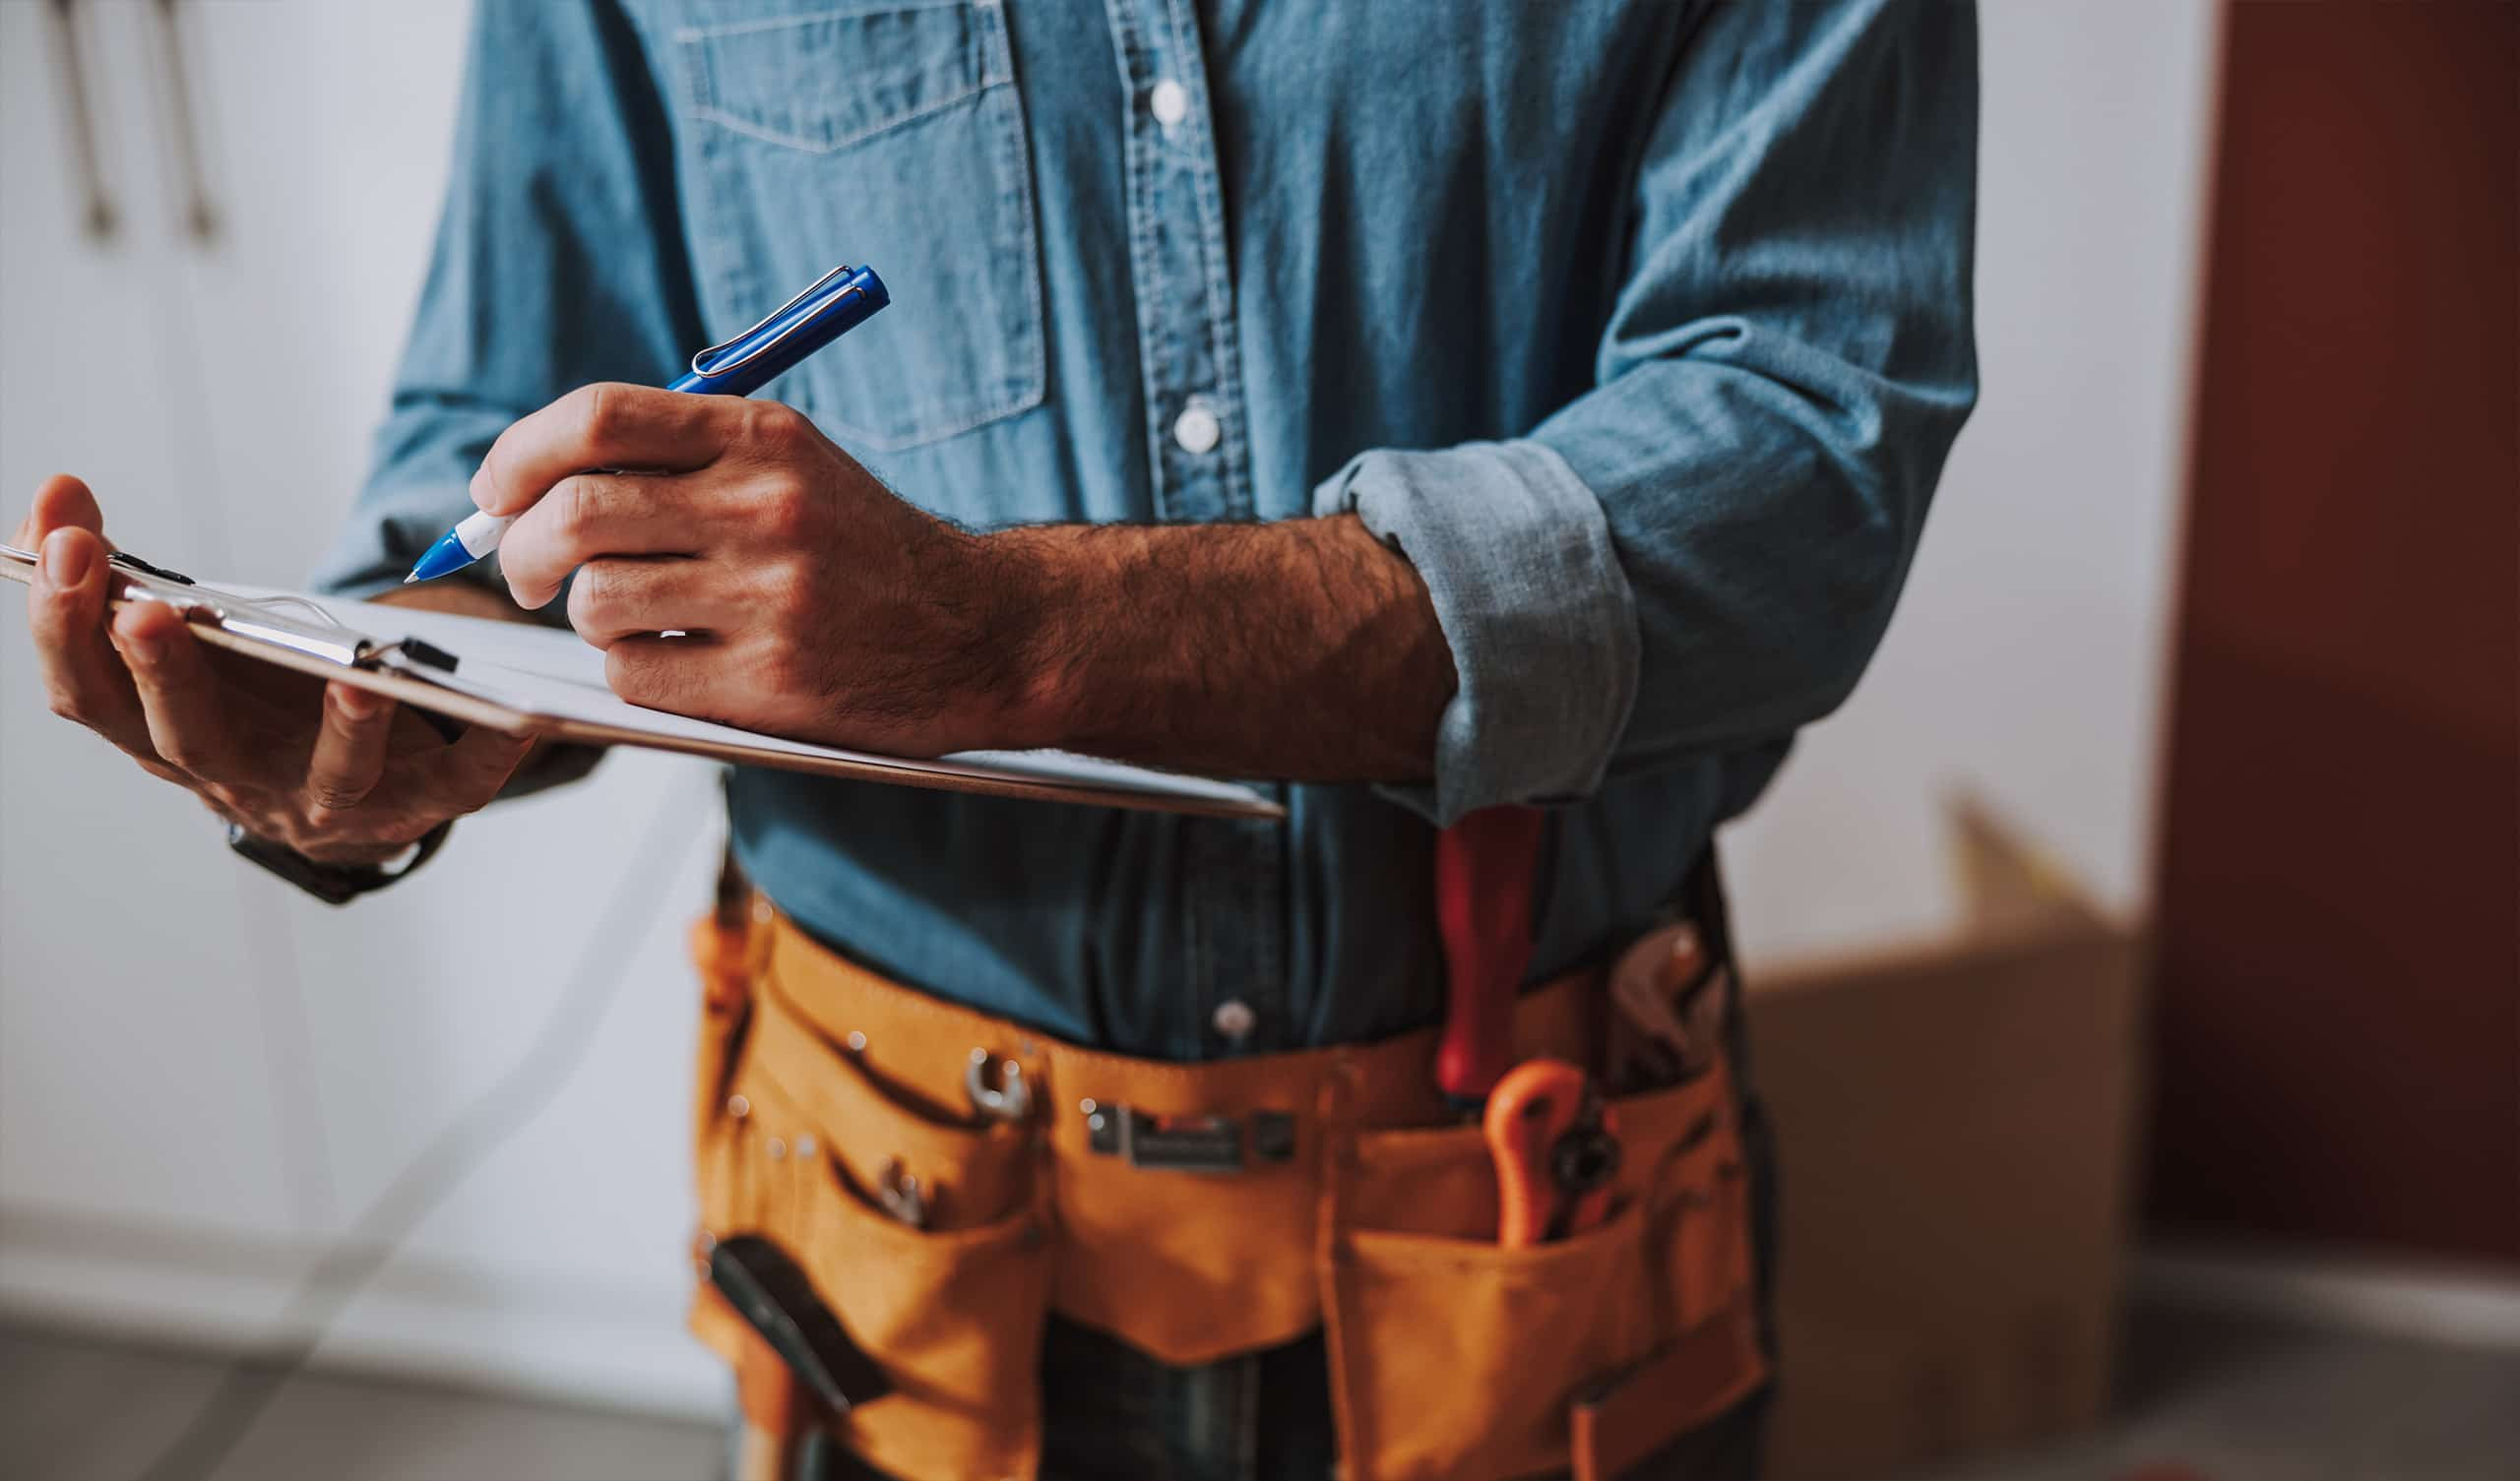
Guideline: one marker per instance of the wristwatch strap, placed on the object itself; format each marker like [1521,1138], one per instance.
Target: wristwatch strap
[333,884]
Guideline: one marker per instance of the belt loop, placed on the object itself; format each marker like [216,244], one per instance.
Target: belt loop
[1330,1146]
[760,929]
[1332,1108]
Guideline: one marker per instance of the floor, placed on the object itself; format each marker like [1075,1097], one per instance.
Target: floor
[2214,1398]
[2207,1399]
[81,1408]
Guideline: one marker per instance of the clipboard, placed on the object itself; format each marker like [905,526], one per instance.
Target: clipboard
[526,679]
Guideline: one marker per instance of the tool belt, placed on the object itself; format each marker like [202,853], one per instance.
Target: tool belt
[1198,1211]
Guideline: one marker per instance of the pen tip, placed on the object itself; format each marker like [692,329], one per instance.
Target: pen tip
[414,575]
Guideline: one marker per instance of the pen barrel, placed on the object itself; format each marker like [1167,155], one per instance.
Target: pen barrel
[761,354]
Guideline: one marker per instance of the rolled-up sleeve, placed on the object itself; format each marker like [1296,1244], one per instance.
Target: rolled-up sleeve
[1517,557]
[559,261]
[1702,552]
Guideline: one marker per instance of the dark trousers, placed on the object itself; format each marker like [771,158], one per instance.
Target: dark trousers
[1112,1413]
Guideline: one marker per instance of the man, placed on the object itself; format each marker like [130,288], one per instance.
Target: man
[1430,407]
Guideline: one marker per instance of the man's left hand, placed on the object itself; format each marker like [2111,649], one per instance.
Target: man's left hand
[808,599]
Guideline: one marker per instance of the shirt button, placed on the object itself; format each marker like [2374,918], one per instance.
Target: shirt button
[1169,103]
[1197,429]
[1234,1019]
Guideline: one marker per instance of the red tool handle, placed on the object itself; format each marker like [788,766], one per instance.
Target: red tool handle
[1484,869]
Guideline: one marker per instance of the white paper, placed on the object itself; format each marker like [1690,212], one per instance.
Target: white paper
[551,672]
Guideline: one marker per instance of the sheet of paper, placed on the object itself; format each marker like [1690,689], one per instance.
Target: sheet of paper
[550,671]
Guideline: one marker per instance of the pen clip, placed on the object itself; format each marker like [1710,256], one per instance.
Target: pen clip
[699,362]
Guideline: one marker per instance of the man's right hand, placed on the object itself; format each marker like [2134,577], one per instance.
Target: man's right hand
[340,774]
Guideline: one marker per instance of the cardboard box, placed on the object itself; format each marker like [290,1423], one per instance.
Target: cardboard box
[1957,1130]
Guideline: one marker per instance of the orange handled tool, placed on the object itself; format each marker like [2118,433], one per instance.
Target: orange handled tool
[1556,1152]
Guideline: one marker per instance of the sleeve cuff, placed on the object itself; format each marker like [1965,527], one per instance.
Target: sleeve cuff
[385,533]
[1516,553]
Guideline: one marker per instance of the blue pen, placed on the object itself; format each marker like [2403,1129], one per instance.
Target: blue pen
[839,301]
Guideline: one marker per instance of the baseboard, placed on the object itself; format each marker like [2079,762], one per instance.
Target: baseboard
[442,1323]
[2466,1304]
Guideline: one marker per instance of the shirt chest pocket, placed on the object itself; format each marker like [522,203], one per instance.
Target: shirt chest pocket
[889,135]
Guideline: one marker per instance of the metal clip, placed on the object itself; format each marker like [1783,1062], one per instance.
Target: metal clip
[901,1195]
[1009,1099]
[732,354]
[406,652]
[1186,1143]
[130,562]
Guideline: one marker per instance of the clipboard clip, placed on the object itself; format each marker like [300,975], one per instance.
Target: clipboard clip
[406,652]
[130,562]
[290,622]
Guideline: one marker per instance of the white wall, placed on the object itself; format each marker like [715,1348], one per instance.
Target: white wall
[170,1157]
[2026,661]
[204,1075]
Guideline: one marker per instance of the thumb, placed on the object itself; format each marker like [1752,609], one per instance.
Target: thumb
[61,502]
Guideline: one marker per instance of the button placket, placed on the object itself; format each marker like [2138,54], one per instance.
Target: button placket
[1198,465]
[1187,357]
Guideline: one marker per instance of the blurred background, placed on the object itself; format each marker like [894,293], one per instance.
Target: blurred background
[2134,957]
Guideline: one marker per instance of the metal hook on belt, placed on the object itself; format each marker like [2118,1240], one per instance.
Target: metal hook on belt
[901,1195]
[1009,1099]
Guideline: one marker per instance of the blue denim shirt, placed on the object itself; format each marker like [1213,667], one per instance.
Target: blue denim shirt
[1641,327]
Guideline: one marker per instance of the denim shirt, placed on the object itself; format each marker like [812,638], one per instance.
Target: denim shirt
[1641,327]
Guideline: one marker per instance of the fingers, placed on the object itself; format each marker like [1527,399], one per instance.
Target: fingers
[348,757]
[82,677]
[593,515]
[672,674]
[178,691]
[613,599]
[470,772]
[362,803]
[61,502]
[603,426]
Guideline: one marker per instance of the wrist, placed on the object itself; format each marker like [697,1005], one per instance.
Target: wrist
[1035,636]
[336,884]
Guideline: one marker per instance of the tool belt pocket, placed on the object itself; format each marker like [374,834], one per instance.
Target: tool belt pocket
[927,1238]
[1455,1357]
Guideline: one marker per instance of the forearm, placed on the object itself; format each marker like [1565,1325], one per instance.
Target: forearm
[823,607]
[461,598]
[1304,649]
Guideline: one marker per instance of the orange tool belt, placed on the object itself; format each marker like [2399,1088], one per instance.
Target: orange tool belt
[1199,1211]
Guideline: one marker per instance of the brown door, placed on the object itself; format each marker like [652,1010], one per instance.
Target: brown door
[2338,1019]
